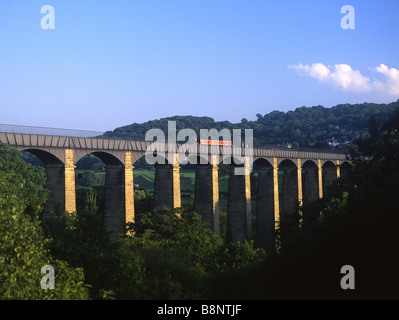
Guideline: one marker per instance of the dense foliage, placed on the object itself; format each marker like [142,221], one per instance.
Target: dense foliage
[23,246]
[168,255]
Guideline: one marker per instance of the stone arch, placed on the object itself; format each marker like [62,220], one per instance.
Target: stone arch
[310,182]
[265,216]
[114,191]
[345,169]
[167,184]
[310,191]
[309,163]
[262,162]
[329,164]
[110,158]
[46,157]
[329,177]
[136,156]
[287,163]
[289,192]
[232,160]
[55,182]
[239,213]
[206,192]
[166,188]
[199,160]
[159,157]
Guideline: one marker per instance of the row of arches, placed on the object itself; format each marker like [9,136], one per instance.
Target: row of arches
[62,180]
[281,186]
[284,188]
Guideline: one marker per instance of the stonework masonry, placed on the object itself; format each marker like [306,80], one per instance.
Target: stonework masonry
[129,189]
[206,195]
[304,177]
[70,194]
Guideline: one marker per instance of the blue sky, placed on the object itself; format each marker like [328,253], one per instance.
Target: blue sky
[112,63]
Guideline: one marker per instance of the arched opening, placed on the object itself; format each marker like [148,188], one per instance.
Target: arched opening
[90,176]
[193,182]
[206,192]
[188,178]
[105,174]
[167,184]
[41,157]
[329,178]
[144,175]
[310,182]
[289,187]
[55,182]
[162,184]
[223,174]
[32,159]
[289,200]
[345,170]
[143,178]
[239,212]
[262,186]
[310,191]
[224,169]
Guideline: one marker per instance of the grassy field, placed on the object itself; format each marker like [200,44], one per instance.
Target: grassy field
[145,179]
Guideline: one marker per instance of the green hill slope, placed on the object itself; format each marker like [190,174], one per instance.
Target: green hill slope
[303,127]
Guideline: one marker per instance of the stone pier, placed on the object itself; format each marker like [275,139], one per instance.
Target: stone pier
[265,215]
[206,195]
[70,193]
[55,184]
[239,216]
[114,200]
[167,186]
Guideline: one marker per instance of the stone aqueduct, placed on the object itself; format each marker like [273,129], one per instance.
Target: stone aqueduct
[306,177]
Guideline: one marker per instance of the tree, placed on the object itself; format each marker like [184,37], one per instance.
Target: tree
[21,185]
[177,256]
[169,256]
[23,246]
[82,240]
[181,228]
[87,179]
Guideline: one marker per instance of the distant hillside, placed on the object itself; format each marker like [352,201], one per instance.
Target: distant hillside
[304,127]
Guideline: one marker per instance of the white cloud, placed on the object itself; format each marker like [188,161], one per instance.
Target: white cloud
[349,80]
[317,70]
[343,77]
[391,83]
